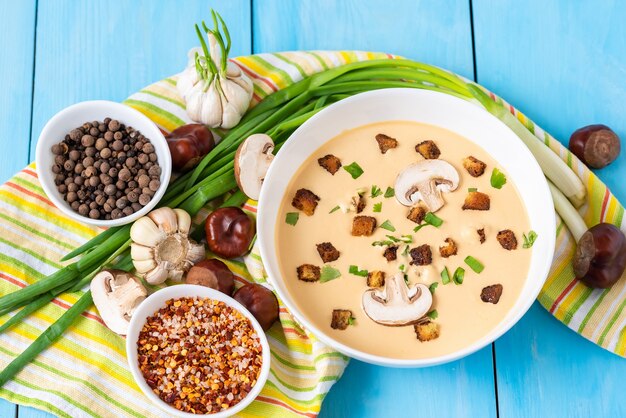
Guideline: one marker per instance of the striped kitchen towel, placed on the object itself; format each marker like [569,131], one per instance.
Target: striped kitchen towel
[85,374]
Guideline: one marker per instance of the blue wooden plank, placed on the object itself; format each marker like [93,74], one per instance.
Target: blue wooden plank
[563,64]
[17,32]
[438,33]
[7,409]
[460,389]
[103,49]
[28,412]
[16,73]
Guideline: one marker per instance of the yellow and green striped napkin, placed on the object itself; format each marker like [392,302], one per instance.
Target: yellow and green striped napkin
[85,374]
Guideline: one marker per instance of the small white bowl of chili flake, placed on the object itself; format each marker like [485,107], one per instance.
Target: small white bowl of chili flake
[195,351]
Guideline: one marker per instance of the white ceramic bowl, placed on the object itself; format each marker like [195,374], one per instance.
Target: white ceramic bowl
[73,116]
[433,108]
[155,302]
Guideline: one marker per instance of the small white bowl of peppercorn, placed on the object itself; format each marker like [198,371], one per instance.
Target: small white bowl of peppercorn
[103,163]
[195,351]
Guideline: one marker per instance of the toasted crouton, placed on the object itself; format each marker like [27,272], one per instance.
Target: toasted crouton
[330,163]
[416,214]
[491,294]
[474,166]
[306,201]
[449,249]
[481,234]
[428,149]
[363,226]
[421,256]
[376,278]
[385,143]
[308,273]
[341,319]
[328,252]
[476,201]
[507,239]
[426,330]
[391,253]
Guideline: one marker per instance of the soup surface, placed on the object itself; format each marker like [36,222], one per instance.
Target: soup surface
[458,312]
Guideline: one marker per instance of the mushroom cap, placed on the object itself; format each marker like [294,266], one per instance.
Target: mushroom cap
[116,294]
[425,180]
[252,160]
[397,304]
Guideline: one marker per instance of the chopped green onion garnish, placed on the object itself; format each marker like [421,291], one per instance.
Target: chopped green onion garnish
[432,314]
[388,226]
[458,275]
[529,239]
[378,207]
[433,219]
[430,219]
[382,243]
[351,320]
[292,218]
[402,267]
[498,179]
[445,276]
[355,270]
[472,189]
[376,191]
[406,250]
[329,273]
[390,192]
[335,209]
[406,279]
[354,169]
[407,238]
[432,287]
[474,264]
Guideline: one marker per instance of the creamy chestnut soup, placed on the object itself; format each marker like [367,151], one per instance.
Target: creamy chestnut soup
[411,249]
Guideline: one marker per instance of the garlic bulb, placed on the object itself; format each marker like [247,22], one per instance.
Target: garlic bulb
[161,248]
[216,92]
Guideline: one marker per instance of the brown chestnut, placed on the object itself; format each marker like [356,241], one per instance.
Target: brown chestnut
[595,145]
[188,144]
[229,232]
[600,257]
[212,273]
[260,301]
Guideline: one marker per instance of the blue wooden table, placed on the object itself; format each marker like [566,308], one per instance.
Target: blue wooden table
[563,63]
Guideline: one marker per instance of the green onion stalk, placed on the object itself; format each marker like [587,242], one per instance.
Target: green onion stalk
[278,115]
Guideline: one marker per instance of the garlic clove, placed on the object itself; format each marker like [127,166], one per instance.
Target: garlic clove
[143,266]
[212,107]
[145,232]
[186,80]
[165,219]
[140,252]
[157,275]
[183,221]
[195,252]
[236,96]
[176,275]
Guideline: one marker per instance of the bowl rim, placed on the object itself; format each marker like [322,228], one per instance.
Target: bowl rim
[266,228]
[147,128]
[153,303]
